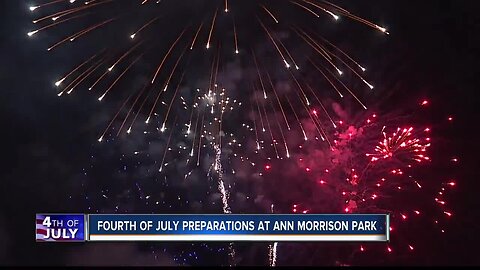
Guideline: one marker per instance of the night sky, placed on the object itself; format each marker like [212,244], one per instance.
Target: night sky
[49,142]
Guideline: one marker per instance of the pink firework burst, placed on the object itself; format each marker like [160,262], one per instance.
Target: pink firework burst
[403,142]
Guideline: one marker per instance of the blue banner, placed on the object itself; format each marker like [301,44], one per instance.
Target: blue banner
[236,227]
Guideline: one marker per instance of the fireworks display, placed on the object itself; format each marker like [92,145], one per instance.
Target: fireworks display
[373,166]
[235,90]
[187,48]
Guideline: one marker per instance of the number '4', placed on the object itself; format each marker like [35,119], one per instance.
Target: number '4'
[46,222]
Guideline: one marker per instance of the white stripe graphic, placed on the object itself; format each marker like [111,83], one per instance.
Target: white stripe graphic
[238,237]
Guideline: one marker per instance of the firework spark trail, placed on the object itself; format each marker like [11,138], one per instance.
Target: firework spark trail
[278,101]
[217,167]
[287,65]
[83,76]
[131,109]
[272,254]
[235,35]
[257,142]
[132,36]
[32,8]
[211,29]
[80,33]
[298,119]
[59,82]
[322,106]
[167,148]
[287,152]
[274,141]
